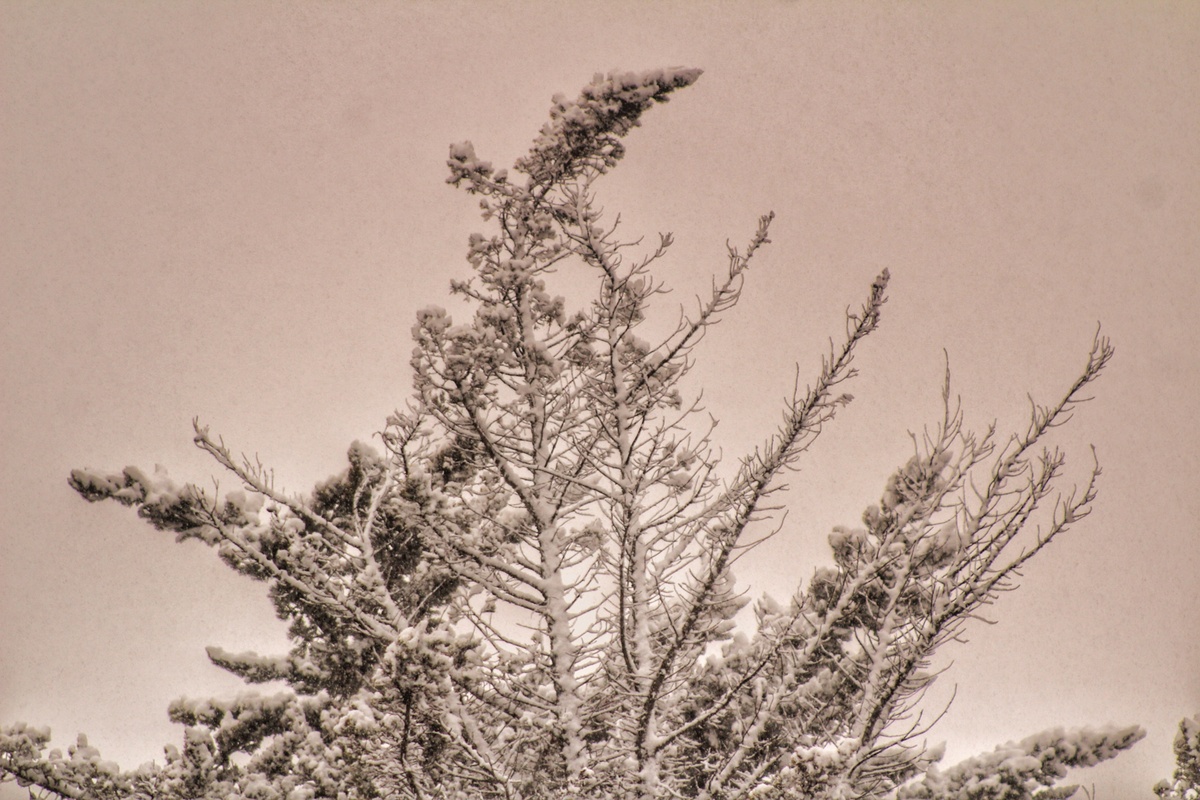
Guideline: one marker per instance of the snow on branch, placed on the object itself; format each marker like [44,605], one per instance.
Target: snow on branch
[1021,770]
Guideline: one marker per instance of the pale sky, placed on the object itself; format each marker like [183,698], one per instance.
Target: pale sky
[233,211]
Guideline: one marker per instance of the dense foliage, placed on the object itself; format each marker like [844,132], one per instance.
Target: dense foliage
[528,593]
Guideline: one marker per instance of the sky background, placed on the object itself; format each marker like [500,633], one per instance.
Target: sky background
[232,210]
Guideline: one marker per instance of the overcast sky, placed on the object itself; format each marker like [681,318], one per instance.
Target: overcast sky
[233,211]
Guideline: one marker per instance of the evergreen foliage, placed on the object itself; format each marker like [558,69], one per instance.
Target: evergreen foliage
[1185,784]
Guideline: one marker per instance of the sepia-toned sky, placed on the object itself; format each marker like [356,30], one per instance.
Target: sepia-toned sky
[232,210]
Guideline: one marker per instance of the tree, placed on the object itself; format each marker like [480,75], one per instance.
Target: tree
[529,593]
[1185,784]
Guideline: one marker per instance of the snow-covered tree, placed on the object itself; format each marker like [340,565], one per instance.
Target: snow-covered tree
[529,592]
[1185,783]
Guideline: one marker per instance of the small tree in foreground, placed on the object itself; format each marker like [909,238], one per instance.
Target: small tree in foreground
[1185,783]
[528,593]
